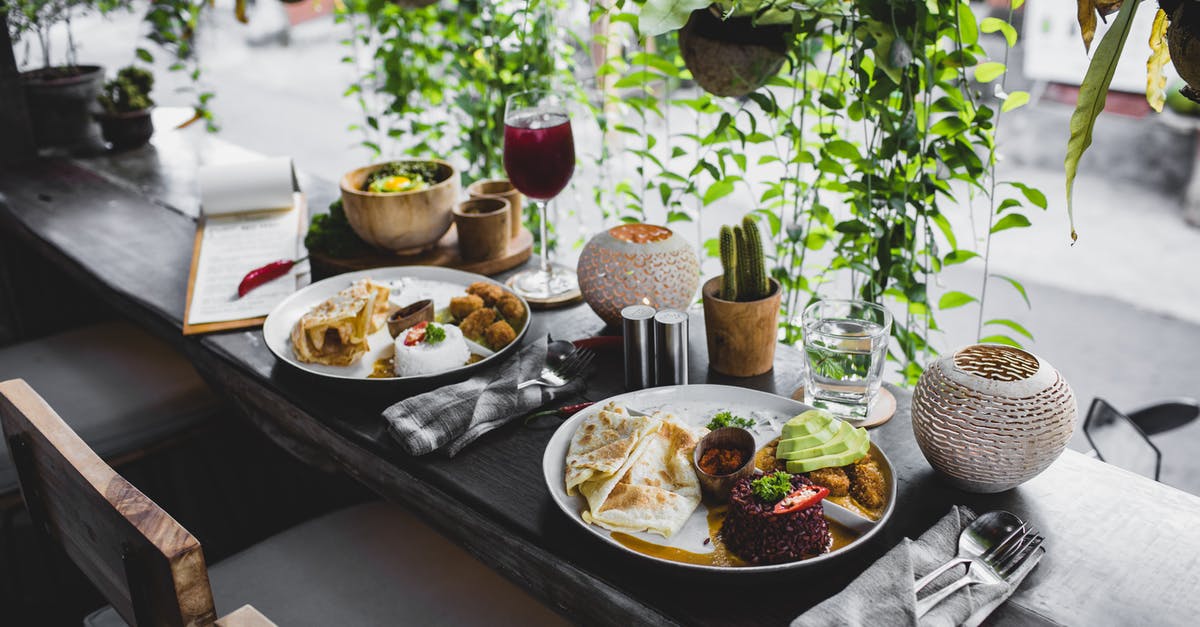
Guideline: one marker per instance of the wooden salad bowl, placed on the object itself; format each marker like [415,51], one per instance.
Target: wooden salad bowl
[405,223]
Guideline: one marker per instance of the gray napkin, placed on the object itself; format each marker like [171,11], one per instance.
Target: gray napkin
[451,417]
[883,594]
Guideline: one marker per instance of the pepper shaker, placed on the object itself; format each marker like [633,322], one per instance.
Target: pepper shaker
[636,323]
[670,347]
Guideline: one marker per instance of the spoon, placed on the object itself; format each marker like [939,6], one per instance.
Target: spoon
[557,351]
[985,532]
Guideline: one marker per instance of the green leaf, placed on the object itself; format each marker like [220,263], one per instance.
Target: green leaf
[1092,94]
[948,126]
[1017,285]
[950,300]
[662,16]
[959,256]
[988,72]
[1014,100]
[718,190]
[968,28]
[1015,326]
[993,24]
[1000,339]
[1032,194]
[843,149]
[144,55]
[1010,221]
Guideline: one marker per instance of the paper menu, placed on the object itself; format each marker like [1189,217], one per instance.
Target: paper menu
[250,216]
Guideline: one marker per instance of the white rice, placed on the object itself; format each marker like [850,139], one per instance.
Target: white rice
[425,358]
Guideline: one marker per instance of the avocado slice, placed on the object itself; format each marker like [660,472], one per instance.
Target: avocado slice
[807,423]
[828,461]
[846,439]
[799,443]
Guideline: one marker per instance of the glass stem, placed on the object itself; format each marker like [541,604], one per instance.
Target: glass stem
[544,209]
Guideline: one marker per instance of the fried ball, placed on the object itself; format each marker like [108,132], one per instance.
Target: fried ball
[489,292]
[510,307]
[462,306]
[499,335]
[867,485]
[833,478]
[475,324]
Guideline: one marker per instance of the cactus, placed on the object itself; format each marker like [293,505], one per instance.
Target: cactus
[742,261]
[729,264]
[756,285]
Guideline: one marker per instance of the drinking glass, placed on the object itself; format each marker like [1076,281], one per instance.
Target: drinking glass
[539,157]
[845,346]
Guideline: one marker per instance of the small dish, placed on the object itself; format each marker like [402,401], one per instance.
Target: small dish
[405,317]
[717,486]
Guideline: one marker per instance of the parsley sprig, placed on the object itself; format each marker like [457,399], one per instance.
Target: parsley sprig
[772,487]
[727,419]
[434,333]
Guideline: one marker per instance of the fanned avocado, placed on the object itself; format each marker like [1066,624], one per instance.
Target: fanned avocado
[835,459]
[806,423]
[845,439]
[799,443]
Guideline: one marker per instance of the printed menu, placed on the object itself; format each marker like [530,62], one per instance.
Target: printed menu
[251,215]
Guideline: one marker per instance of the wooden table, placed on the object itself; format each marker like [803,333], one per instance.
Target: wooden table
[1121,549]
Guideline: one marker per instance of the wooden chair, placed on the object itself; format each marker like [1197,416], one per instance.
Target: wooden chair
[368,564]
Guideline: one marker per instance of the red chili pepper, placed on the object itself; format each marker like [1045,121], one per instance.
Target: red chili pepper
[416,334]
[570,410]
[269,272]
[805,497]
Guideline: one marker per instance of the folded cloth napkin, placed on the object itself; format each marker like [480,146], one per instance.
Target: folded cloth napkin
[451,417]
[883,594]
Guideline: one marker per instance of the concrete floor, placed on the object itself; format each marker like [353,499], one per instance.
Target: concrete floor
[1118,313]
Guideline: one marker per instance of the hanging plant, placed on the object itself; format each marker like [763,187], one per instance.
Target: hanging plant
[731,57]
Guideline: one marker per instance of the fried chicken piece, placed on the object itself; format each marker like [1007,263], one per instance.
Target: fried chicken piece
[867,485]
[475,324]
[462,306]
[499,335]
[510,307]
[489,292]
[833,478]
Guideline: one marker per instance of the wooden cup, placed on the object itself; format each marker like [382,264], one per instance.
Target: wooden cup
[741,335]
[501,188]
[483,231]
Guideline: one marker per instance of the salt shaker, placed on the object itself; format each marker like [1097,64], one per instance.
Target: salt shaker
[670,347]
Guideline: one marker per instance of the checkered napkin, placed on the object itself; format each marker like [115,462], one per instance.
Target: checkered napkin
[883,594]
[451,417]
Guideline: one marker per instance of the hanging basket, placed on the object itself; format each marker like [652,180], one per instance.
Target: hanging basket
[731,57]
[1183,41]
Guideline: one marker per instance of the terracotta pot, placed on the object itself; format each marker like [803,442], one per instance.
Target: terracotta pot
[130,129]
[741,335]
[482,225]
[637,264]
[403,222]
[502,188]
[60,102]
[731,57]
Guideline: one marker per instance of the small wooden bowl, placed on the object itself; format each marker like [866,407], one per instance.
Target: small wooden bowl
[483,231]
[402,222]
[501,188]
[404,317]
[717,487]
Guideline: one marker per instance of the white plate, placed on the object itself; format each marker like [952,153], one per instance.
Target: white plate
[695,405]
[409,284]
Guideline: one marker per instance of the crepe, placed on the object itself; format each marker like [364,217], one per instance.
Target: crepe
[654,490]
[335,332]
[603,443]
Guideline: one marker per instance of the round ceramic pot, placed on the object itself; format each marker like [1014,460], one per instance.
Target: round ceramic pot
[991,417]
[60,103]
[501,188]
[637,264]
[126,130]
[405,223]
[482,225]
[741,335]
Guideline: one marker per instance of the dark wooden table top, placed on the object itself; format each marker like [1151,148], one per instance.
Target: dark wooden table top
[1120,548]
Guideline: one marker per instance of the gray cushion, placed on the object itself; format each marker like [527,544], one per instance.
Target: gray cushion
[372,564]
[119,388]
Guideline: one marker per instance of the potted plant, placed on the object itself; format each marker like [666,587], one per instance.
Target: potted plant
[741,307]
[125,120]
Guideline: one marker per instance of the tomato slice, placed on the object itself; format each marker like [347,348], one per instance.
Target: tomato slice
[805,497]
[416,334]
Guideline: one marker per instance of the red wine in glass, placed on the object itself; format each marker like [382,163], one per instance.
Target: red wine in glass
[539,153]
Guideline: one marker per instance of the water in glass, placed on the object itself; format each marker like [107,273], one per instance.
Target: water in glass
[844,354]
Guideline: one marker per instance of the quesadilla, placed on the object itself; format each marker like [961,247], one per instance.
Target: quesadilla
[335,332]
[603,443]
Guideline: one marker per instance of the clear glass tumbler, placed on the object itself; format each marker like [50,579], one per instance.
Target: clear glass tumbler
[845,347]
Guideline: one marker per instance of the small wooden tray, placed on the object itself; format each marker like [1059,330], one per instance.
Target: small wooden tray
[445,254]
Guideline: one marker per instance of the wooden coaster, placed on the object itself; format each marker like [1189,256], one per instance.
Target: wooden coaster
[562,300]
[884,409]
[445,253]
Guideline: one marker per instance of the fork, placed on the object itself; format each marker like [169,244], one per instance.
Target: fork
[572,366]
[996,570]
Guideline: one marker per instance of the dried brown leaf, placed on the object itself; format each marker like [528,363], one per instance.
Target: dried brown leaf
[1086,14]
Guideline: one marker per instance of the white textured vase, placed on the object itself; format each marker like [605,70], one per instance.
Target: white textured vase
[991,417]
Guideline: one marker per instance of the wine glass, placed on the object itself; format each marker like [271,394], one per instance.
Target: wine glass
[539,157]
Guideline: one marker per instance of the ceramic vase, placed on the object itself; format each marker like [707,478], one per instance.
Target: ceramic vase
[741,335]
[991,417]
[637,264]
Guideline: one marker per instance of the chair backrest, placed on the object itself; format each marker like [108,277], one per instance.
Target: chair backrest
[1119,441]
[145,563]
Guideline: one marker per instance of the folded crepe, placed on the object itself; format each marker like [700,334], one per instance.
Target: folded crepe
[603,443]
[335,332]
[654,490]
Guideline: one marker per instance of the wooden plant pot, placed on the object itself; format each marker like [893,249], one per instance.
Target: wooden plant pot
[501,188]
[60,101]
[741,335]
[483,230]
